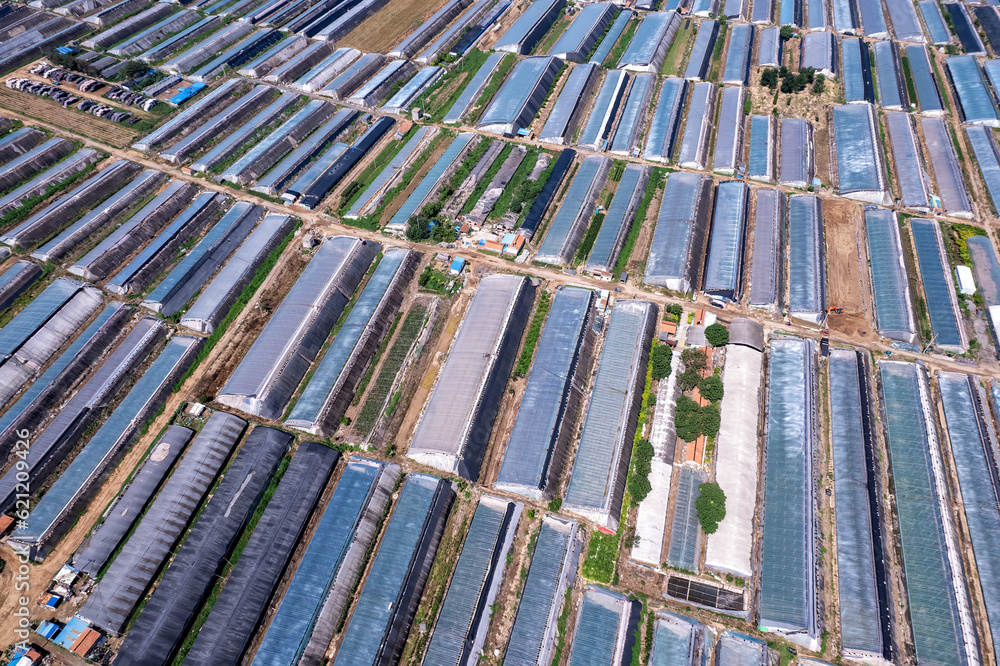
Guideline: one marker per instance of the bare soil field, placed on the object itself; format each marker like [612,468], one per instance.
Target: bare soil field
[389,25]
[50,111]
[847,281]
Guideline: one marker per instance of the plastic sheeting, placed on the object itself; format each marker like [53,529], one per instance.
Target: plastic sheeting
[729,136]
[428,184]
[947,170]
[890,284]
[934,609]
[130,504]
[966,32]
[618,221]
[760,166]
[326,574]
[575,212]
[767,267]
[787,577]
[905,24]
[908,160]
[666,121]
[796,164]
[807,259]
[734,649]
[35,314]
[461,626]
[984,148]
[737,68]
[701,112]
[858,84]
[679,240]
[969,426]
[701,53]
[936,28]
[935,276]
[328,393]
[164,620]
[386,604]
[819,51]
[628,134]
[601,628]
[545,421]
[552,569]
[16,280]
[873,20]
[580,38]
[268,375]
[928,95]
[455,427]
[889,76]
[648,48]
[34,161]
[231,624]
[724,264]
[769,52]
[975,102]
[529,28]
[676,639]
[598,479]
[685,532]
[860,171]
[604,110]
[569,105]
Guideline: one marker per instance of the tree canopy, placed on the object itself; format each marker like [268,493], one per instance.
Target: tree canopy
[717,335]
[711,506]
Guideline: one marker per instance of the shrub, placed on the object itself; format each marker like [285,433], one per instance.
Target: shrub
[711,506]
[717,335]
[786,33]
[660,361]
[711,388]
[710,420]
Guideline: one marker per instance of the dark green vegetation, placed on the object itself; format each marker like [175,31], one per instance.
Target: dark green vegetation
[711,506]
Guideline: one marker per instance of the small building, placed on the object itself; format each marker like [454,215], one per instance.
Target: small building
[47,629]
[964,281]
[457,266]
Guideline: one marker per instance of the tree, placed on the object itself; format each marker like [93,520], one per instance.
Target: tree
[786,33]
[133,68]
[710,420]
[711,388]
[418,228]
[819,85]
[660,361]
[717,335]
[769,78]
[711,506]
[687,419]
[694,358]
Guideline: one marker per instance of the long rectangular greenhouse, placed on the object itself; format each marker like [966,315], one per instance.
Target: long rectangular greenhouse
[894,312]
[618,221]
[724,263]
[938,285]
[574,212]
[678,245]
[806,259]
[909,161]
[860,169]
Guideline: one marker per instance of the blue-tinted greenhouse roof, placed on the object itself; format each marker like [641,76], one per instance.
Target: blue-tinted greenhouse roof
[928,95]
[893,311]
[975,101]
[934,275]
[723,268]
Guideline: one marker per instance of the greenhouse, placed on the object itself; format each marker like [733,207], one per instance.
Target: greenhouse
[33,162]
[858,84]
[701,53]
[312,607]
[449,160]
[769,52]
[734,649]
[865,623]
[165,247]
[905,24]
[468,27]
[16,280]
[398,572]
[737,68]
[204,259]
[205,107]
[730,548]
[860,170]
[19,142]
[52,177]
[38,312]
[376,89]
[602,628]
[238,55]
[264,381]
[328,393]
[455,426]
[530,27]
[767,267]
[580,38]
[817,15]
[987,271]
[908,160]
[462,625]
[677,640]
[312,197]
[694,145]
[132,503]
[969,425]
[947,170]
[819,51]
[172,45]
[598,478]
[684,550]
[938,285]
[762,143]
[648,48]
[373,196]
[242,604]
[280,53]
[736,9]
[889,76]
[604,111]
[665,126]
[618,221]
[936,28]
[984,148]
[628,134]
[575,212]
[844,16]
[228,147]
[603,49]
[893,309]
[546,418]
[164,620]
[290,72]
[989,20]
[704,8]
[429,29]
[796,164]
[569,105]
[967,34]
[542,201]
[676,253]
[924,83]
[975,102]
[219,295]
[322,164]
[724,263]
[550,574]
[348,79]
[762,11]
[470,94]
[58,509]
[729,135]
[787,576]
[521,96]
[939,608]
[873,20]
[806,259]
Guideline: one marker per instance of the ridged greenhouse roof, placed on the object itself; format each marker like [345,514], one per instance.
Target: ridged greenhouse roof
[666,120]
[787,576]
[412,203]
[891,90]
[475,86]
[670,253]
[655,28]
[633,116]
[673,636]
[605,108]
[947,171]
[908,160]
[975,101]
[984,262]
[761,162]
[890,284]
[936,27]
[928,95]
[596,637]
[34,315]
[568,103]
[685,531]
[573,213]
[796,152]
[904,20]
[857,72]
[737,68]
[519,31]
[614,32]
[807,263]
[582,34]
[619,218]
[873,19]
[768,247]
[935,277]
[723,267]
[729,132]
[857,149]
[985,150]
